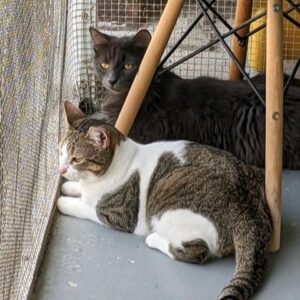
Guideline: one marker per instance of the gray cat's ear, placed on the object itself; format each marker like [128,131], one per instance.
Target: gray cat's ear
[100,136]
[72,113]
[142,38]
[98,37]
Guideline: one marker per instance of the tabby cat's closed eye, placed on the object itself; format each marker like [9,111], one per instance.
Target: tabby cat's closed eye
[75,160]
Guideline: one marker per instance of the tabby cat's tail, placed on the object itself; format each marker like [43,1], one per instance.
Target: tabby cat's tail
[250,251]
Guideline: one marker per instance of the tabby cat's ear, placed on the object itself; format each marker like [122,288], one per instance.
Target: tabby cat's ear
[72,113]
[100,135]
[142,38]
[98,38]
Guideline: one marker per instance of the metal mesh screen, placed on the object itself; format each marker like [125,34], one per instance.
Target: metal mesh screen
[257,42]
[79,72]
[32,51]
[123,17]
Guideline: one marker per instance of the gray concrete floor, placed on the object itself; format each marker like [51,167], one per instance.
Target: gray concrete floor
[87,261]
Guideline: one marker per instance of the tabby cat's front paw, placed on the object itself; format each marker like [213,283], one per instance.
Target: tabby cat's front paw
[63,204]
[68,205]
[71,188]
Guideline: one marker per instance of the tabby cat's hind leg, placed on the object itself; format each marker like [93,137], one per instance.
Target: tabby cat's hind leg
[194,251]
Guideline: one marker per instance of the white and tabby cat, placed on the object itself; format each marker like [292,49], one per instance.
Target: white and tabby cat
[191,201]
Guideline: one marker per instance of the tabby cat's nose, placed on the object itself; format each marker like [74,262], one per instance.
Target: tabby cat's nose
[63,169]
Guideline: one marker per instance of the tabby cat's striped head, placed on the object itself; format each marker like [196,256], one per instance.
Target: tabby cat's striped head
[87,147]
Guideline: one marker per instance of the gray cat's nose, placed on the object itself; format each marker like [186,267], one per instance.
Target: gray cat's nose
[112,81]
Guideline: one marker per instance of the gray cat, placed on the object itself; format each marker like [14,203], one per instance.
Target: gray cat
[221,113]
[191,201]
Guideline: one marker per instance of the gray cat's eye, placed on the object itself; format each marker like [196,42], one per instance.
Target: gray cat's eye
[128,66]
[104,66]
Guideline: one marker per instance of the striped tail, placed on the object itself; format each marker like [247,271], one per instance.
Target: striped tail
[250,250]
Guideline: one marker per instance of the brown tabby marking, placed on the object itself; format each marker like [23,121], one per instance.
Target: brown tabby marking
[120,209]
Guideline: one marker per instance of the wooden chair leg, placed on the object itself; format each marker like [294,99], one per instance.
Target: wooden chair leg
[242,13]
[149,65]
[274,115]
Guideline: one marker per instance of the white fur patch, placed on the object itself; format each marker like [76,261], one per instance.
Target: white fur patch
[155,241]
[71,173]
[71,188]
[183,225]
[146,160]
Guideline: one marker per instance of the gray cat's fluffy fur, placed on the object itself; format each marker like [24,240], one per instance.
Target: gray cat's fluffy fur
[223,114]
